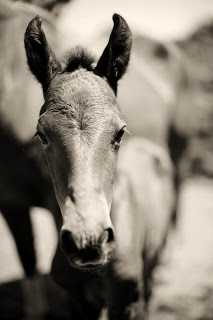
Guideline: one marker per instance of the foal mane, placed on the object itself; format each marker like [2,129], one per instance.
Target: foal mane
[79,58]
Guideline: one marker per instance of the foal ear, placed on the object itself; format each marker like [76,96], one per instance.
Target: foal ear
[41,59]
[115,58]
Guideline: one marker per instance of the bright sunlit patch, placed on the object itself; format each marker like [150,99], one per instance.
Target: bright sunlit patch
[10,265]
[45,238]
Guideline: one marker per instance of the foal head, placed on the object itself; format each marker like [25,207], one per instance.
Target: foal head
[81,127]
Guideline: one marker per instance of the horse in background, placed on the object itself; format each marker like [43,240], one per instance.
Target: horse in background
[180,72]
[24,181]
[194,111]
[81,129]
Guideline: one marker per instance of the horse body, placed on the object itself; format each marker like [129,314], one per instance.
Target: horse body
[143,202]
[144,172]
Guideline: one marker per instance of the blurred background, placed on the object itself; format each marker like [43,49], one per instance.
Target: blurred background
[166,96]
[160,19]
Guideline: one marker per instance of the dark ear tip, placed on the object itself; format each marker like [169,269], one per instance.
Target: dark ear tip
[119,21]
[33,31]
[116,19]
[38,20]
[35,24]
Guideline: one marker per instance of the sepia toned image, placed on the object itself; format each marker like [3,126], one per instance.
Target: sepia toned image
[106,161]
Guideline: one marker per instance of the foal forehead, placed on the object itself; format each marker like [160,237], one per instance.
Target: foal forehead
[81,87]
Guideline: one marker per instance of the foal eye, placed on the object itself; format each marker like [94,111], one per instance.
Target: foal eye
[118,138]
[42,138]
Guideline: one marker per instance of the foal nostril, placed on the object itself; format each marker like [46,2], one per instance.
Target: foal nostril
[111,236]
[67,242]
[107,236]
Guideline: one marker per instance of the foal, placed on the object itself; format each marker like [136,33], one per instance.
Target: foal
[81,129]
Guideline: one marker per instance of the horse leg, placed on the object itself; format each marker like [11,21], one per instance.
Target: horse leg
[19,223]
[125,301]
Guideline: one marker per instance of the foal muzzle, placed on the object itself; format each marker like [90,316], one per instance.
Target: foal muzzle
[90,252]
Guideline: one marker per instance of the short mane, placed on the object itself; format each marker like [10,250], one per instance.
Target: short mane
[79,58]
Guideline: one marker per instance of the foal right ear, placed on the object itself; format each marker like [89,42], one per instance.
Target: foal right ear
[41,59]
[115,58]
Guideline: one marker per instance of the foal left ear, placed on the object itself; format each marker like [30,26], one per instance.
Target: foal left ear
[41,59]
[115,58]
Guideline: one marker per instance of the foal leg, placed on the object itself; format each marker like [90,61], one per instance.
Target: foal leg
[19,222]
